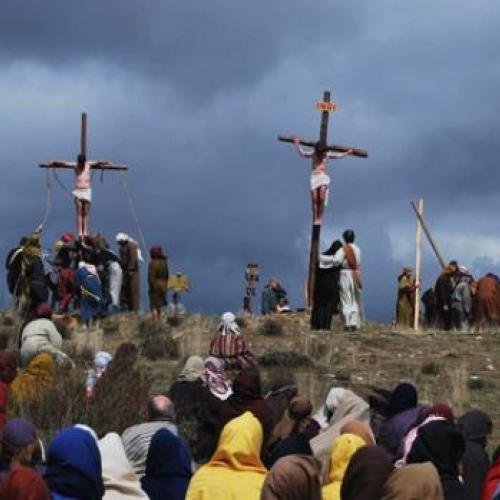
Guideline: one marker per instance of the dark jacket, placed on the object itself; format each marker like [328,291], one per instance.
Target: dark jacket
[441,443]
[475,427]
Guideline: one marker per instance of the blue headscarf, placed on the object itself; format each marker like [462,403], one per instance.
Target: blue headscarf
[74,467]
[168,467]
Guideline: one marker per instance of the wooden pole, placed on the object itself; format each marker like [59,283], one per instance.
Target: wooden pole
[313,263]
[323,131]
[83,136]
[429,237]
[418,262]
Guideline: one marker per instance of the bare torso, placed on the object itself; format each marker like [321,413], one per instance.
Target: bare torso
[82,177]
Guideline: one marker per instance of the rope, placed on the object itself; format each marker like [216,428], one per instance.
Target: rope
[61,183]
[48,204]
[123,182]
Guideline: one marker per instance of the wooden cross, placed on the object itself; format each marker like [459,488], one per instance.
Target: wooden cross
[79,164]
[326,107]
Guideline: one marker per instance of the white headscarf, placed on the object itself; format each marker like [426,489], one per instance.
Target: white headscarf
[102,359]
[228,324]
[124,237]
[118,475]
[332,402]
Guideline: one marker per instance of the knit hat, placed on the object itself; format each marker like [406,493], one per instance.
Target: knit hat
[18,432]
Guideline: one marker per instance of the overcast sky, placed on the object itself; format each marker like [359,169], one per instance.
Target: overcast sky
[192,94]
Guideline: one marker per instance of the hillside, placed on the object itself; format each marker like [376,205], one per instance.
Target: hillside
[455,367]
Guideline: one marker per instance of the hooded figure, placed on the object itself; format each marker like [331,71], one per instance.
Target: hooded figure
[475,427]
[295,477]
[418,481]
[441,444]
[288,436]
[341,407]
[168,467]
[215,378]
[197,409]
[120,481]
[229,345]
[74,469]
[130,256]
[402,414]
[35,378]
[326,293]
[91,299]
[247,397]
[235,471]
[366,474]
[342,451]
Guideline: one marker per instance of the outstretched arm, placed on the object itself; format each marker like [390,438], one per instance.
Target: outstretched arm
[58,164]
[333,155]
[105,165]
[305,153]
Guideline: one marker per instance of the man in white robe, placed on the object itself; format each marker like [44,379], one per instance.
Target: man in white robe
[348,258]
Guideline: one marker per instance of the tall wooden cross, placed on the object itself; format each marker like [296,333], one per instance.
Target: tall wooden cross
[82,168]
[326,107]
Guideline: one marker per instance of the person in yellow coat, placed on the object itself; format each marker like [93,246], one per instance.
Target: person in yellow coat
[34,379]
[343,449]
[235,471]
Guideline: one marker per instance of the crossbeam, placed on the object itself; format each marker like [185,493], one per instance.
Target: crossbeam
[361,153]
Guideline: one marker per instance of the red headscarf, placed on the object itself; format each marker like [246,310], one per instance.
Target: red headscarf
[24,484]
[156,252]
[44,311]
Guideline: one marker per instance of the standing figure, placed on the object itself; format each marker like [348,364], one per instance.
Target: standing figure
[320,180]
[487,301]
[461,301]
[348,258]
[158,281]
[129,258]
[443,290]
[406,299]
[326,293]
[91,300]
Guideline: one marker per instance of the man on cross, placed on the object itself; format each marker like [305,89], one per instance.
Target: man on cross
[83,187]
[83,175]
[320,180]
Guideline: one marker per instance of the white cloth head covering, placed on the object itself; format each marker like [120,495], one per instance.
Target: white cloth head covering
[102,359]
[228,324]
[118,476]
[332,402]
[122,237]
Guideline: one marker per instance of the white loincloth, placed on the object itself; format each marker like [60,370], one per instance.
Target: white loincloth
[83,194]
[319,180]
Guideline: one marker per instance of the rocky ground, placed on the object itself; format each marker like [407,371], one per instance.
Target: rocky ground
[459,368]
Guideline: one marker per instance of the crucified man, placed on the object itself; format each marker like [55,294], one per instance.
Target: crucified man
[320,180]
[83,186]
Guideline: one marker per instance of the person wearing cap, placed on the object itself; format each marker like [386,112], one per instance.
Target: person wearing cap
[41,335]
[129,259]
[443,290]
[406,298]
[19,447]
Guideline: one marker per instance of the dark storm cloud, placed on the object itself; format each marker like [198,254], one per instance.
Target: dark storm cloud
[192,95]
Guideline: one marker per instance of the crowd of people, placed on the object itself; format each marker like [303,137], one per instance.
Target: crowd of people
[214,434]
[85,274]
[456,302]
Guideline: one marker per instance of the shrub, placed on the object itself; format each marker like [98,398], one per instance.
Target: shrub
[289,359]
[272,328]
